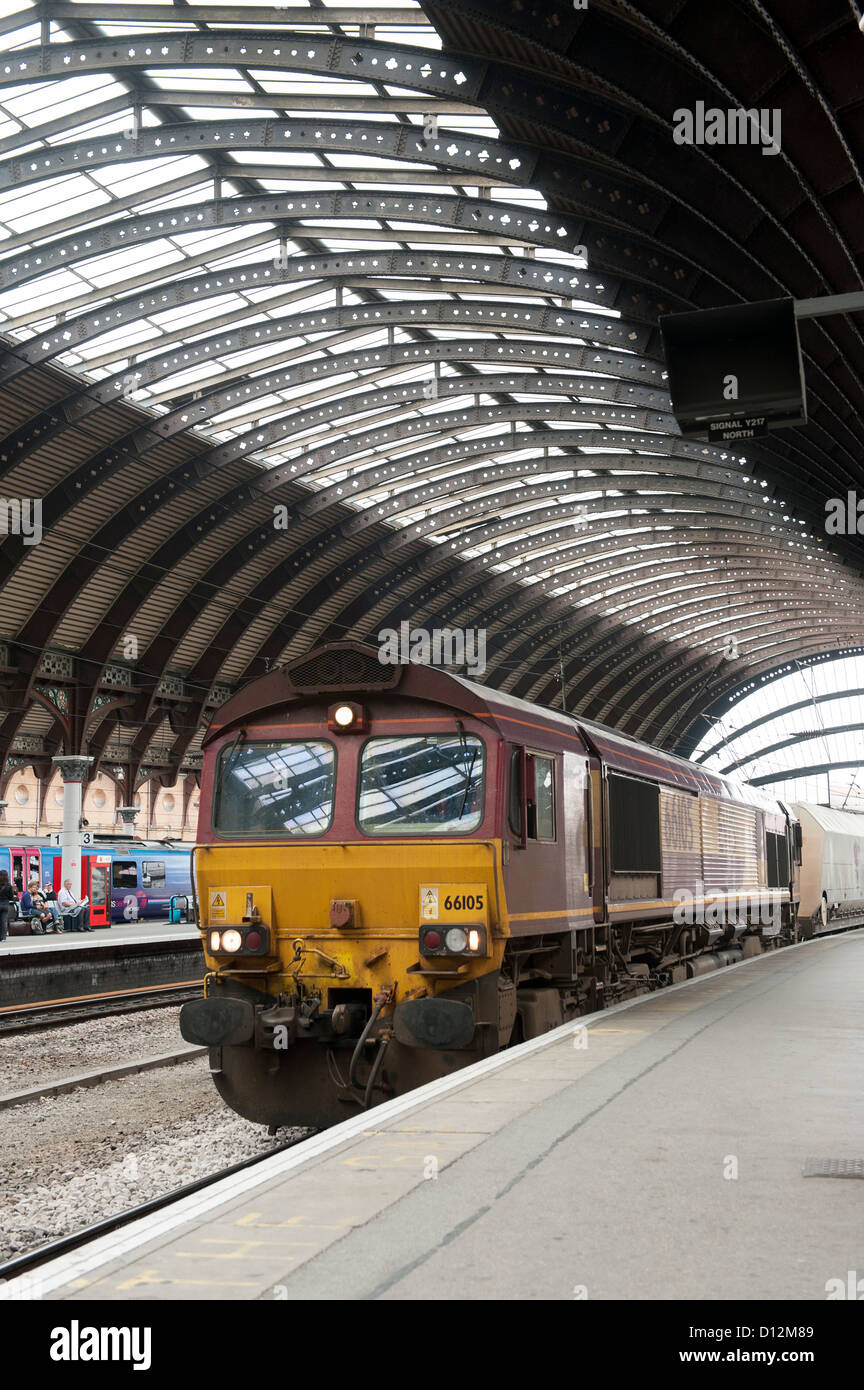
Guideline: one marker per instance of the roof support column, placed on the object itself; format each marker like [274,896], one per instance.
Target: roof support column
[73,770]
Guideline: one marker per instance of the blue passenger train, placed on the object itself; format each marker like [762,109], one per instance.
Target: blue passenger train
[137,877]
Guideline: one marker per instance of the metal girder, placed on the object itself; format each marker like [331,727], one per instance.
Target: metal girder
[564,609]
[686,685]
[602,566]
[643,673]
[326,55]
[343,576]
[584,619]
[476,599]
[545,114]
[811,770]
[475,450]
[404,396]
[273,15]
[792,741]
[520,273]
[681,719]
[631,369]
[375,445]
[360,59]
[450,150]
[395,401]
[489,315]
[731,691]
[781,712]
[461,513]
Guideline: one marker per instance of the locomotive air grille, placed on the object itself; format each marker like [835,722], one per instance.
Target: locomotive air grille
[342,668]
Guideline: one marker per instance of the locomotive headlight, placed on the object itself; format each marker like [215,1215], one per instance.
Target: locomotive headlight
[231,940]
[344,716]
[215,940]
[456,939]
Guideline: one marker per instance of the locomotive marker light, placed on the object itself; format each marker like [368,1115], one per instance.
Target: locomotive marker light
[347,718]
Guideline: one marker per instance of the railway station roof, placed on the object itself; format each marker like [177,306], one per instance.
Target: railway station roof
[318,318]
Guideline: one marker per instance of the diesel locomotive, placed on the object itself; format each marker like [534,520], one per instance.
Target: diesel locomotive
[399,872]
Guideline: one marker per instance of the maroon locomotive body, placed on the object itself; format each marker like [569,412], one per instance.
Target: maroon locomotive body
[399,872]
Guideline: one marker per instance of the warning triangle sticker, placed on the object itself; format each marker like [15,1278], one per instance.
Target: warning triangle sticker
[218,900]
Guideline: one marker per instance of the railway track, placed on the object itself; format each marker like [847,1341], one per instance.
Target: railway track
[96,1078]
[54,1013]
[33,1259]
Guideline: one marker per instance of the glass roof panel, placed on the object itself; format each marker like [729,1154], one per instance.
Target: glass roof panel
[286,248]
[799,732]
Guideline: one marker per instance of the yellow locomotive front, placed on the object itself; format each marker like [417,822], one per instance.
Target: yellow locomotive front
[348,887]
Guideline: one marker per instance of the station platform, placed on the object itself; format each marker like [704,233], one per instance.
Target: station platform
[123,933]
[657,1150]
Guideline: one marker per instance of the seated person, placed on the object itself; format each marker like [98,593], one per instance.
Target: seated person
[29,908]
[73,909]
[49,912]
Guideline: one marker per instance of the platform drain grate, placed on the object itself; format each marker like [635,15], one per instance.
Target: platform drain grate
[834,1168]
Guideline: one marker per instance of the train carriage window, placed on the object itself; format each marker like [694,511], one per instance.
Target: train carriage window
[124,873]
[420,784]
[153,873]
[634,825]
[275,788]
[34,868]
[541,809]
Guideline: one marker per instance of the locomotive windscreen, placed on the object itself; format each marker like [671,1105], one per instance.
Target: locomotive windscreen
[421,784]
[275,788]
[634,825]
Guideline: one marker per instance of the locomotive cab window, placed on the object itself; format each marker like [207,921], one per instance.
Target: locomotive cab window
[634,825]
[283,788]
[541,798]
[419,784]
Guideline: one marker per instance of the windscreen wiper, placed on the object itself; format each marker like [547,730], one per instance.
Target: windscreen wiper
[464,743]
